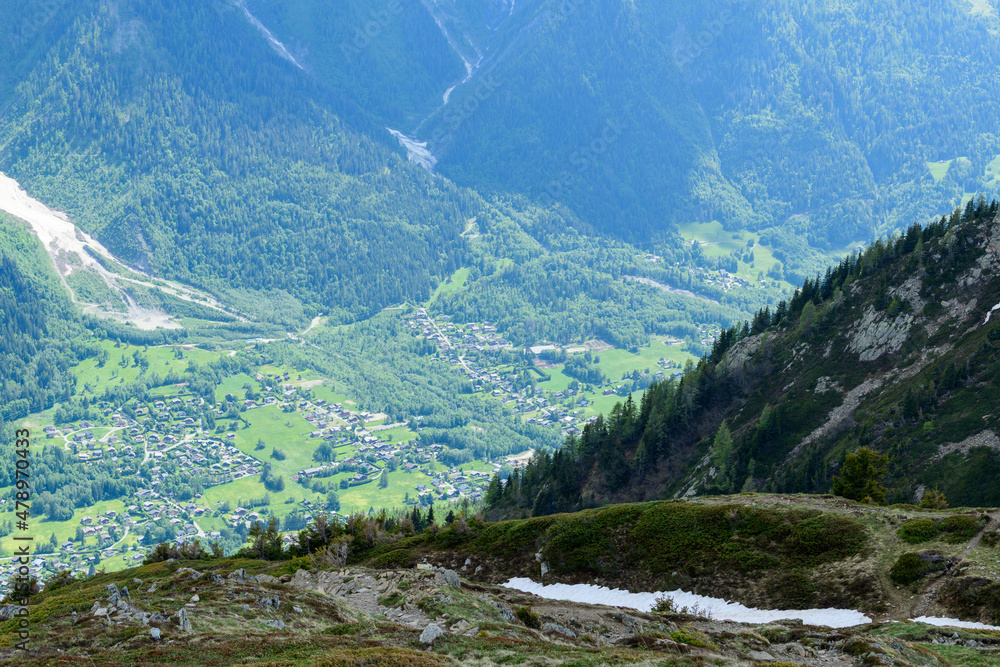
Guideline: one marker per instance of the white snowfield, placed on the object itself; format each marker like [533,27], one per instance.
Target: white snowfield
[990,314]
[720,610]
[953,623]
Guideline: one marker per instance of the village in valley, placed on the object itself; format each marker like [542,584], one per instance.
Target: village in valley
[535,382]
[282,442]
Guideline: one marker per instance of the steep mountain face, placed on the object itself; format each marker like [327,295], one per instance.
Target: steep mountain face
[390,58]
[819,120]
[897,349]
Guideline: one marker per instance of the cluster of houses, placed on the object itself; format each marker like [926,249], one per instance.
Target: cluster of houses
[214,461]
[454,485]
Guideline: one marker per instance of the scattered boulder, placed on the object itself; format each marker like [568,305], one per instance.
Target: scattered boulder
[275,623]
[505,613]
[431,633]
[125,594]
[8,612]
[183,621]
[550,628]
[297,610]
[195,574]
[216,579]
[448,577]
[241,576]
[114,595]
[269,602]
[246,607]
[267,579]
[195,598]
[102,611]
[285,578]
[155,634]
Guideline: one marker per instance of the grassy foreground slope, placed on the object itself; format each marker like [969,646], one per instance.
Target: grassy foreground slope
[294,612]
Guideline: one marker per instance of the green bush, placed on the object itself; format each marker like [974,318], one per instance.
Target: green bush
[908,568]
[692,637]
[827,537]
[918,530]
[959,528]
[528,617]
[394,559]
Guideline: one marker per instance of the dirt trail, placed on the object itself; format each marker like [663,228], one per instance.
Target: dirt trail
[930,592]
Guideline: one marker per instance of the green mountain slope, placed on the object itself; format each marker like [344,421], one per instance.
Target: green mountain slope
[897,349]
[190,148]
[637,115]
[390,58]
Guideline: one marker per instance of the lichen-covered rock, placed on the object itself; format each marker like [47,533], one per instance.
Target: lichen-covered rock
[878,334]
[431,633]
[449,578]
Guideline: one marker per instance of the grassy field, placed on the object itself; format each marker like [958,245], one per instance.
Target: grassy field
[453,284]
[161,361]
[993,171]
[287,431]
[234,385]
[718,242]
[939,170]
[42,530]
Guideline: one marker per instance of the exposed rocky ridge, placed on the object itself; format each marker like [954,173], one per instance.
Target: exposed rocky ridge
[417,617]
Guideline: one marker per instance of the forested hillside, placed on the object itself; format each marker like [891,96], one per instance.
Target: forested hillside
[896,349]
[825,122]
[179,138]
[39,332]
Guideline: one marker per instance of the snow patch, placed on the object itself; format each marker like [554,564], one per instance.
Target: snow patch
[271,39]
[416,151]
[718,609]
[954,623]
[470,67]
[990,314]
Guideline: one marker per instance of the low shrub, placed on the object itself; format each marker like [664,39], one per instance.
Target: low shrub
[528,617]
[908,568]
[394,559]
[691,637]
[959,528]
[918,530]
